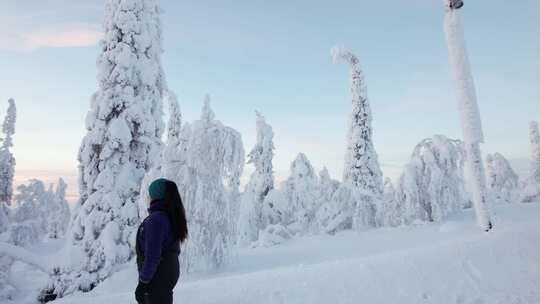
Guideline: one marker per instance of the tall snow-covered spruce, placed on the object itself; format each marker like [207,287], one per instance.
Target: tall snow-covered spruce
[361,171]
[7,161]
[260,184]
[361,161]
[470,114]
[531,192]
[124,127]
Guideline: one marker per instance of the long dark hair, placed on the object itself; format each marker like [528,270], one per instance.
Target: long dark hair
[176,211]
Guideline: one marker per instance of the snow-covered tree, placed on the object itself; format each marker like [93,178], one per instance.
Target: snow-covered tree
[58,211]
[7,161]
[211,163]
[348,208]
[39,213]
[470,114]
[6,289]
[327,185]
[276,209]
[431,186]
[392,211]
[29,221]
[4,217]
[531,191]
[301,190]
[361,168]
[123,140]
[259,185]
[502,181]
[171,153]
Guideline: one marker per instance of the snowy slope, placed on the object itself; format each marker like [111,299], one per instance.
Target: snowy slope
[452,262]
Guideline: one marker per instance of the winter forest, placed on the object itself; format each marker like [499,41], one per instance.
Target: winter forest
[136,133]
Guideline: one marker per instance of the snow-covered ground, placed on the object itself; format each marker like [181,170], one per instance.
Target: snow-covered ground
[453,262]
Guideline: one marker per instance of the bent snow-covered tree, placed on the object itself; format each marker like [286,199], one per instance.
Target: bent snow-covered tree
[531,191]
[209,163]
[361,161]
[470,115]
[7,161]
[260,183]
[124,128]
[431,186]
[361,170]
[502,181]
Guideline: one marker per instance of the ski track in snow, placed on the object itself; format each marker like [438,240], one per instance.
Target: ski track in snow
[448,263]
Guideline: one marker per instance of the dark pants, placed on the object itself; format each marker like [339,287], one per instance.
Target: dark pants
[162,284]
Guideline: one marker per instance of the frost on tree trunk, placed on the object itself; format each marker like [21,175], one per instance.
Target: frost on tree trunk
[502,181]
[7,161]
[124,126]
[261,182]
[531,191]
[470,115]
[361,169]
[207,166]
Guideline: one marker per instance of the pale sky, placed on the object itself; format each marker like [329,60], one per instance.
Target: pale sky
[273,56]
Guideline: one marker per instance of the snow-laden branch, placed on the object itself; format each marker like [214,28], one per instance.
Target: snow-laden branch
[25,256]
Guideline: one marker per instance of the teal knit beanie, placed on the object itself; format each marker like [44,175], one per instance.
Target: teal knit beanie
[157,189]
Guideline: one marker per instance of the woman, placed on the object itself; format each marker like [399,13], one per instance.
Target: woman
[158,244]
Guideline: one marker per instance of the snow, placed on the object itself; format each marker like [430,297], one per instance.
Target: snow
[20,254]
[446,263]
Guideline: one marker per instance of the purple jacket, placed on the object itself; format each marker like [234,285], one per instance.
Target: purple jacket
[154,239]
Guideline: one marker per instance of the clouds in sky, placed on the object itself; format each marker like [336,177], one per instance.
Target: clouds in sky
[30,25]
[63,35]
